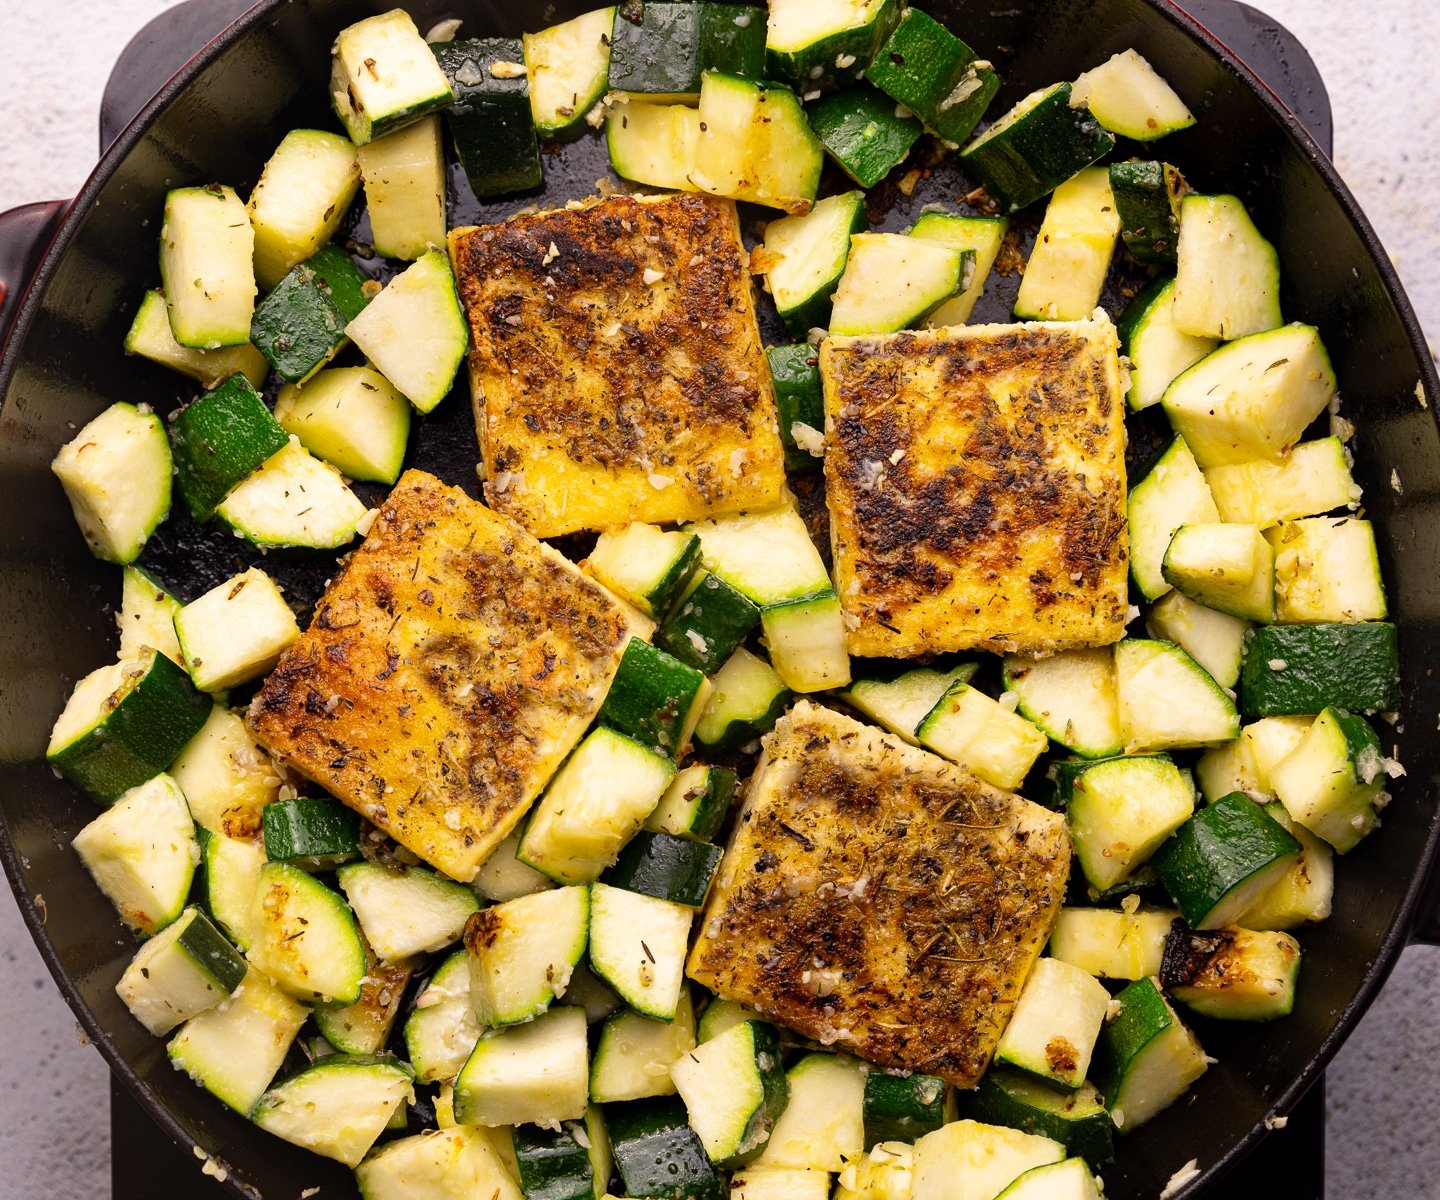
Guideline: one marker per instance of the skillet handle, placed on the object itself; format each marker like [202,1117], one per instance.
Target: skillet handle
[25,234]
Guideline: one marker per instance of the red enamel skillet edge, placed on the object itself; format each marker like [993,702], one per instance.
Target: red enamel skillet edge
[1402,927]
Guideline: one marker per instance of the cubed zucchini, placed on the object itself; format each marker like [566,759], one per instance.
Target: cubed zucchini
[1230,568]
[293,499]
[1227,276]
[406,911]
[1149,1058]
[982,735]
[150,337]
[491,122]
[384,77]
[569,69]
[532,1073]
[1159,353]
[236,631]
[1077,1120]
[125,723]
[593,806]
[637,946]
[404,174]
[1232,974]
[1129,98]
[1223,859]
[935,75]
[218,439]
[116,475]
[1055,1023]
[734,1090]
[186,968]
[414,333]
[338,1106]
[352,418]
[865,132]
[141,852]
[1327,570]
[805,257]
[300,200]
[523,951]
[1332,782]
[305,936]
[635,1053]
[207,267]
[1292,669]
[1072,253]
[314,832]
[655,698]
[1167,700]
[1120,810]
[1036,146]
[1252,398]
[1070,697]
[892,281]
[982,236]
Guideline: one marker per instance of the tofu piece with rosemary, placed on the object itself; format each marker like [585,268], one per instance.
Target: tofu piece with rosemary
[879,899]
[976,484]
[616,364]
[451,666]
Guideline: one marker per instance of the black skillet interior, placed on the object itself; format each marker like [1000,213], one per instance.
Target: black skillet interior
[65,364]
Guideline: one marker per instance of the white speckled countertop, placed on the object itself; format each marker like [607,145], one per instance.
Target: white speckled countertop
[54,1139]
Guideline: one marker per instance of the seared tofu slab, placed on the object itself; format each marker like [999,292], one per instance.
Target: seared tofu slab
[451,666]
[876,897]
[617,366]
[976,483]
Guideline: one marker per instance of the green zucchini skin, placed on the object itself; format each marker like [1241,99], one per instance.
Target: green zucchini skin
[218,439]
[817,65]
[491,121]
[300,325]
[667,867]
[902,1108]
[1216,851]
[861,130]
[553,1165]
[651,697]
[657,1153]
[696,804]
[660,49]
[923,66]
[1353,667]
[719,617]
[315,830]
[1147,199]
[1039,151]
[1076,1120]
[142,735]
[799,398]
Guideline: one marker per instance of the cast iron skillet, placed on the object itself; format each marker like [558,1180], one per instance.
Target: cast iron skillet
[220,118]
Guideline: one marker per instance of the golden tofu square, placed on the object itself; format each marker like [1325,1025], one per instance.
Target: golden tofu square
[451,666]
[880,899]
[975,478]
[616,364]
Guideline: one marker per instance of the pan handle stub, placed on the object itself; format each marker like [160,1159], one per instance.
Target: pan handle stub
[25,234]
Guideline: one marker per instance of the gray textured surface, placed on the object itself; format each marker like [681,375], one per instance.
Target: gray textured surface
[1378,65]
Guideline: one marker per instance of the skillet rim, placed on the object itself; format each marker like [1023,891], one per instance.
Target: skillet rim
[1421,883]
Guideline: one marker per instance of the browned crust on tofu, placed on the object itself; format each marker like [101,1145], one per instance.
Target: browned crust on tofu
[976,486]
[451,666]
[876,897]
[617,365]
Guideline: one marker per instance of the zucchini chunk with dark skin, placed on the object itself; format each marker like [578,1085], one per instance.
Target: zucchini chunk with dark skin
[1232,974]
